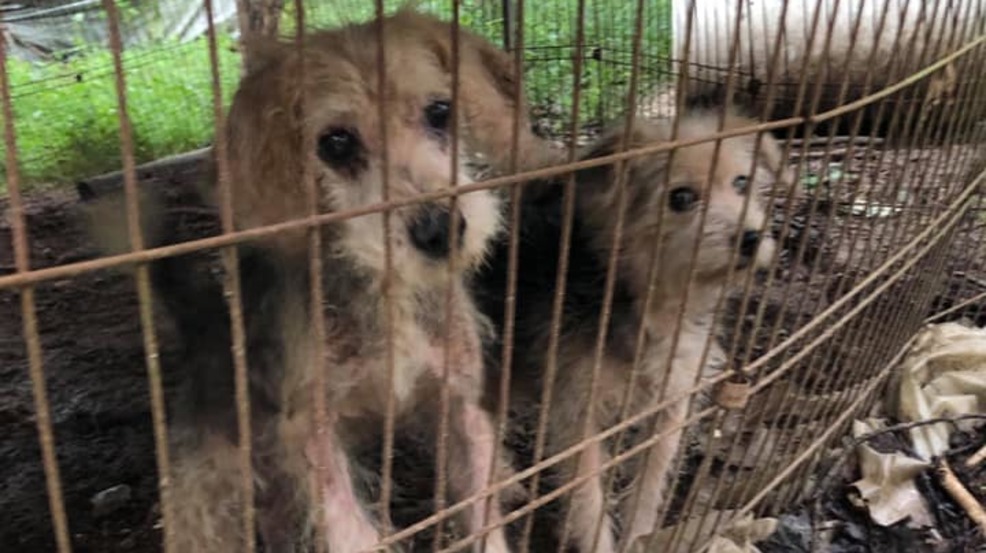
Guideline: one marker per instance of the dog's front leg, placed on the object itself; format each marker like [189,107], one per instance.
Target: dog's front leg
[651,492]
[471,449]
[643,508]
[348,528]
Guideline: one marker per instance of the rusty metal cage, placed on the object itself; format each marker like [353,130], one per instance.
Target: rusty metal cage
[880,111]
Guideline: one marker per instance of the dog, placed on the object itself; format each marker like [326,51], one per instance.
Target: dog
[665,196]
[276,124]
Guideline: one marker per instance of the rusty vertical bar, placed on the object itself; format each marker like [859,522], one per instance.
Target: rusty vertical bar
[802,86]
[441,447]
[758,418]
[680,96]
[321,423]
[868,334]
[557,308]
[516,191]
[142,276]
[232,290]
[621,170]
[800,248]
[731,76]
[387,453]
[32,338]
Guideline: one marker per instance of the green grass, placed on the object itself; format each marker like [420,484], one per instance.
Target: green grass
[66,112]
[66,117]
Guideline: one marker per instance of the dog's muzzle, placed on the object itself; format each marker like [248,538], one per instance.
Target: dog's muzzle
[430,232]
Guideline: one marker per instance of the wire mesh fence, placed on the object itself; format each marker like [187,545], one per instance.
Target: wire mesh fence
[606,371]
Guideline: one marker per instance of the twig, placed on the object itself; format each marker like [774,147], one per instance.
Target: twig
[822,482]
[975,280]
[961,495]
[917,424]
[976,458]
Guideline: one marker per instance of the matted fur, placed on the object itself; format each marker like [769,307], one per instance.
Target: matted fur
[661,374]
[266,124]
[266,128]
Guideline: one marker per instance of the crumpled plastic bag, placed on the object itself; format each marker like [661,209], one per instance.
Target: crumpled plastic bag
[727,536]
[887,484]
[944,376]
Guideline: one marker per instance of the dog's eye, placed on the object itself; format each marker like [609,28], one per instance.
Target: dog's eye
[682,199]
[741,183]
[437,114]
[338,146]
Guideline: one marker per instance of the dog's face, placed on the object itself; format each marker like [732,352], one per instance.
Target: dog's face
[341,118]
[667,194]
[731,233]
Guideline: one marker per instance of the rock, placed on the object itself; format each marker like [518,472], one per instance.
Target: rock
[110,500]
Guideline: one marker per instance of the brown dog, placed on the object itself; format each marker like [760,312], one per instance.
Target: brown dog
[336,106]
[657,213]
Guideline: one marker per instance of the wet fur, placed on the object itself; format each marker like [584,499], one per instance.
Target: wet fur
[593,227]
[267,153]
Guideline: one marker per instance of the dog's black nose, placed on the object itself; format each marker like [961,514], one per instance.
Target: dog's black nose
[749,242]
[430,231]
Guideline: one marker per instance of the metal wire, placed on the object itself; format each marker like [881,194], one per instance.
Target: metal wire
[32,339]
[620,175]
[783,408]
[864,332]
[142,276]
[441,447]
[907,255]
[232,290]
[511,36]
[322,420]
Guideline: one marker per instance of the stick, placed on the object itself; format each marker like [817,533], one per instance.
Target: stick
[977,281]
[961,495]
[976,458]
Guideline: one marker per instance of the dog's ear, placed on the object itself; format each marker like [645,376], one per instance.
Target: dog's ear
[265,132]
[499,68]
[479,59]
[644,177]
[643,173]
[769,156]
[260,53]
[610,141]
[489,96]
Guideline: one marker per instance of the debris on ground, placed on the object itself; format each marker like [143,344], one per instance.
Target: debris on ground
[723,533]
[944,377]
[110,500]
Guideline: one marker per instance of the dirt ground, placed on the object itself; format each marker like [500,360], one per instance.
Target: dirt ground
[96,380]
[97,387]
